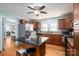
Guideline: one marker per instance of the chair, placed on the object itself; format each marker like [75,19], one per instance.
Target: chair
[26,52]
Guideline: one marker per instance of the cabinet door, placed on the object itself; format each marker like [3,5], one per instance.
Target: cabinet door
[57,39]
[36,25]
[61,24]
[50,41]
[22,21]
[68,23]
[76,11]
[65,23]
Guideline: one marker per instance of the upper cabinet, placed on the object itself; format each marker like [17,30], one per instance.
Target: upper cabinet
[60,24]
[76,11]
[36,25]
[65,23]
[22,21]
[76,18]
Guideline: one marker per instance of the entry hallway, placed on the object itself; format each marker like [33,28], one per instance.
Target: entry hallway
[10,49]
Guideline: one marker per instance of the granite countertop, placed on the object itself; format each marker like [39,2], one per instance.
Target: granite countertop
[33,42]
[51,33]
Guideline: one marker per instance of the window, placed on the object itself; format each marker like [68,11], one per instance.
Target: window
[53,26]
[50,25]
[29,27]
[44,27]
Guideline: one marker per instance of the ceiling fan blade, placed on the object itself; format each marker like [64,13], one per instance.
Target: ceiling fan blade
[42,7]
[30,7]
[43,12]
[30,12]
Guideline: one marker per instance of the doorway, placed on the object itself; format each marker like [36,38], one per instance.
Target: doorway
[9,32]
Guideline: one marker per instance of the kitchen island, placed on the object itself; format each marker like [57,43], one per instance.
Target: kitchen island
[39,44]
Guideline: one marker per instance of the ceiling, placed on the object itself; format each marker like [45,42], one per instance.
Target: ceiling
[20,10]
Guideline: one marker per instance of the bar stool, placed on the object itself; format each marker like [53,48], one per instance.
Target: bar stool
[26,52]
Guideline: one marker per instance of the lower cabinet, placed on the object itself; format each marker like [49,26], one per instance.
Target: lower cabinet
[55,39]
[76,43]
[70,50]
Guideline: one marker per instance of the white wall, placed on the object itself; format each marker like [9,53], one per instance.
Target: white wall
[17,23]
[1,33]
[7,27]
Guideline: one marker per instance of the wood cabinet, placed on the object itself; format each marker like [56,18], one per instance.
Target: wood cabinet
[22,21]
[76,11]
[76,28]
[76,43]
[55,39]
[68,22]
[65,23]
[36,25]
[41,50]
[61,24]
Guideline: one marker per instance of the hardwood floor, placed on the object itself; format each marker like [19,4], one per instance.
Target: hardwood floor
[10,49]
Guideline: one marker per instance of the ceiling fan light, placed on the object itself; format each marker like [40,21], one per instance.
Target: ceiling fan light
[36,12]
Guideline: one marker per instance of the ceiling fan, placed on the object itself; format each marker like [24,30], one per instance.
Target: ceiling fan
[37,10]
